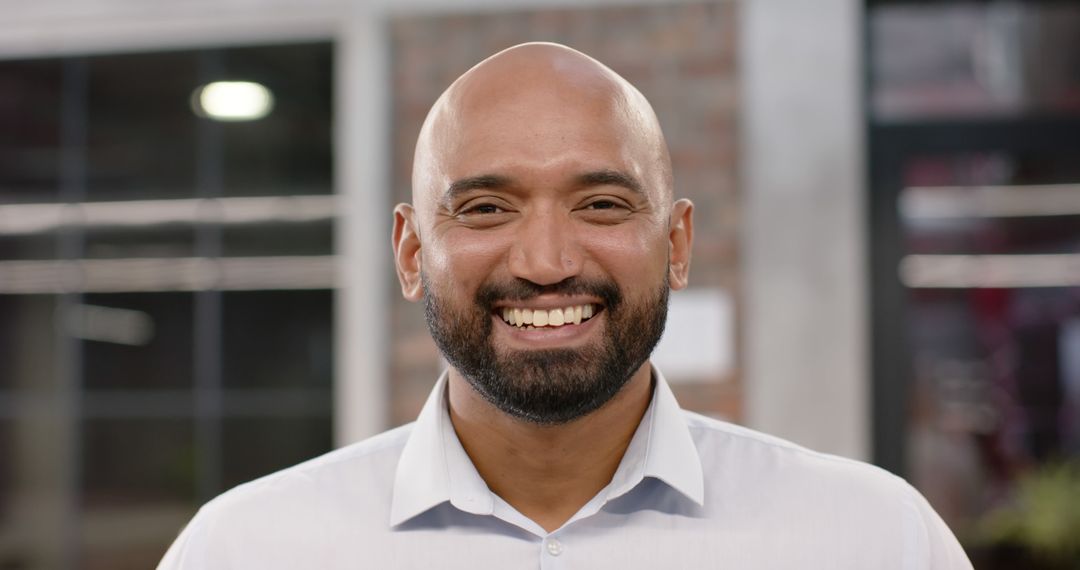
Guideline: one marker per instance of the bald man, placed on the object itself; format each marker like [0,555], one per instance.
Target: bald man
[543,239]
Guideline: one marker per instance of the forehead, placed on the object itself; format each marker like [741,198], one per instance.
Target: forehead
[542,133]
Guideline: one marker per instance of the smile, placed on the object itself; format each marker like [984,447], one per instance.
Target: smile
[525,318]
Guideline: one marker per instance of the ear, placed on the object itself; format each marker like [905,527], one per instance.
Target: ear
[681,238]
[407,252]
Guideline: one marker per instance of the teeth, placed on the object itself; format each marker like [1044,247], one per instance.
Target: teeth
[555,318]
[540,318]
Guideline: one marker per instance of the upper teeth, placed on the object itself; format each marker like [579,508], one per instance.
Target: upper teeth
[547,318]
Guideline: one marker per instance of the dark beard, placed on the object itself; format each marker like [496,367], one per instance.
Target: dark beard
[551,386]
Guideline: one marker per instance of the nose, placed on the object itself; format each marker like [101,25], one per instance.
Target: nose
[545,250]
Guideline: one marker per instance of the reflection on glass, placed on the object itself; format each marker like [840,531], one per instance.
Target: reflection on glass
[996,387]
[953,59]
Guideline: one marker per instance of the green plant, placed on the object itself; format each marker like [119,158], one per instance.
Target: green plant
[1043,517]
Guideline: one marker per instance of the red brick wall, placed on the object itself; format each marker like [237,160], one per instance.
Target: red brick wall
[682,57]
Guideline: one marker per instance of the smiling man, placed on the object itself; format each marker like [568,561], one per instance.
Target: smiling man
[543,240]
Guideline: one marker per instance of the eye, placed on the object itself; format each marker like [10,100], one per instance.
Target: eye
[602,205]
[482,209]
[605,204]
[604,210]
[484,213]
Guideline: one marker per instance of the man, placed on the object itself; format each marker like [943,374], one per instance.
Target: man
[543,240]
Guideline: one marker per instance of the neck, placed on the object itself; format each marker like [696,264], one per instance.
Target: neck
[547,473]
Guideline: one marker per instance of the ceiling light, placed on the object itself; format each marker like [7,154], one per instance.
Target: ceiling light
[232,101]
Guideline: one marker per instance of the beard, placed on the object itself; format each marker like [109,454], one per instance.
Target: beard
[547,386]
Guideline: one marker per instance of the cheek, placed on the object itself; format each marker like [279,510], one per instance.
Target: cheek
[460,263]
[630,257]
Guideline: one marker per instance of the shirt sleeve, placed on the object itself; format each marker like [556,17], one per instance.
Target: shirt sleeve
[938,546]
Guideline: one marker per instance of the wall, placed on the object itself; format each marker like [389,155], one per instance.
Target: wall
[681,57]
[804,355]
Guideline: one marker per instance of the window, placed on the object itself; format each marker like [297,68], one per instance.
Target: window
[166,293]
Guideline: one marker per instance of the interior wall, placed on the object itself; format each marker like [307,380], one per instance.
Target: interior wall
[802,239]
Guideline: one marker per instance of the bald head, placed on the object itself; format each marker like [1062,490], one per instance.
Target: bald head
[537,99]
[542,183]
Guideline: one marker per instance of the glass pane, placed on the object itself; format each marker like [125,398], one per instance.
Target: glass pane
[7,471]
[30,137]
[138,483]
[993,275]
[138,461]
[313,238]
[142,133]
[152,242]
[278,339]
[33,246]
[35,505]
[288,151]
[28,343]
[258,446]
[975,59]
[138,341]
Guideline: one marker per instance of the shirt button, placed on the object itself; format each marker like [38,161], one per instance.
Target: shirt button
[554,547]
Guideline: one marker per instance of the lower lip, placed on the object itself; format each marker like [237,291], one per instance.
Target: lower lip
[542,337]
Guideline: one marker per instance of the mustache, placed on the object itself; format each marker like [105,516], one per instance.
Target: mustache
[522,290]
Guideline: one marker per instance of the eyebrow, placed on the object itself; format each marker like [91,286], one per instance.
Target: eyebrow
[606,177]
[611,178]
[482,182]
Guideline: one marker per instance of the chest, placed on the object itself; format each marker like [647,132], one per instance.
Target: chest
[642,540]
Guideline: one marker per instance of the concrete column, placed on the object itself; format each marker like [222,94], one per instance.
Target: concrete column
[803,247]
[362,162]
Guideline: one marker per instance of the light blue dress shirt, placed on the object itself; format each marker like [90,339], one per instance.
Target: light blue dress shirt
[690,492]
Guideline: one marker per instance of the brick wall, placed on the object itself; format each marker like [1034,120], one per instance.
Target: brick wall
[682,57]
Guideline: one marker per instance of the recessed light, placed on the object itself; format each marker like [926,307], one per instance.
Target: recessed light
[232,101]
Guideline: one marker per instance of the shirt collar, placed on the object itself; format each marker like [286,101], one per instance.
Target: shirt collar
[661,448]
[435,469]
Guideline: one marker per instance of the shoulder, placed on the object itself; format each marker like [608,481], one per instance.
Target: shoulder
[813,502]
[790,470]
[371,462]
[294,517]
[308,503]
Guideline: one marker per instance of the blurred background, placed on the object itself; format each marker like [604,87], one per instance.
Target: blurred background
[196,287]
